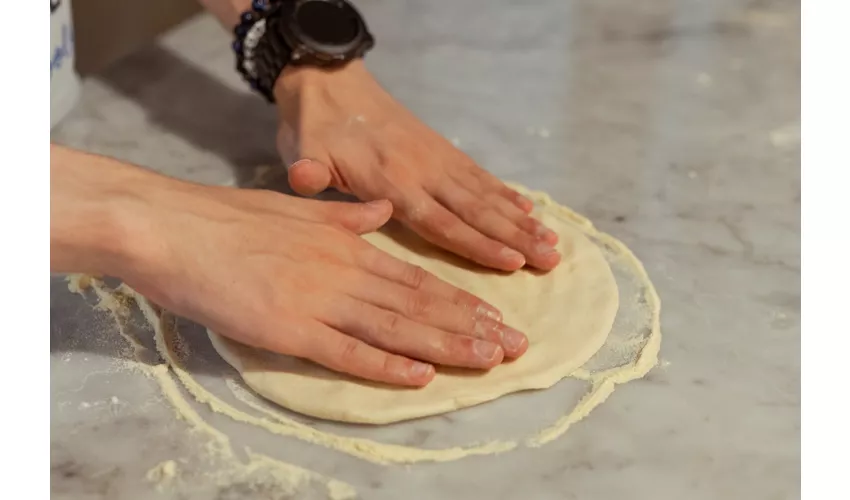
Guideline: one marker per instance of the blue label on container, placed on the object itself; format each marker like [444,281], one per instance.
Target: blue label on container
[62,53]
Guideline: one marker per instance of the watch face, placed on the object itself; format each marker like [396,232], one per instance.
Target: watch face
[328,22]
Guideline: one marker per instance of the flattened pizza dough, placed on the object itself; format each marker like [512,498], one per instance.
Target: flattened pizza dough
[566,314]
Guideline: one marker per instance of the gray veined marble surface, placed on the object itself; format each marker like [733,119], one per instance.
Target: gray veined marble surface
[673,125]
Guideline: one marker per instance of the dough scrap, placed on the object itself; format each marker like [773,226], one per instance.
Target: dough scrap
[566,313]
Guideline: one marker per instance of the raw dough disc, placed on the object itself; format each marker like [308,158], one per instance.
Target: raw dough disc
[566,314]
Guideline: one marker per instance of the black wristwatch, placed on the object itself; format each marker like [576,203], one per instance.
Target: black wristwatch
[278,33]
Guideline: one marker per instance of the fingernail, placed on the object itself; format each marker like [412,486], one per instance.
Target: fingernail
[487,311]
[485,350]
[545,232]
[302,161]
[545,249]
[512,339]
[418,370]
[375,203]
[512,254]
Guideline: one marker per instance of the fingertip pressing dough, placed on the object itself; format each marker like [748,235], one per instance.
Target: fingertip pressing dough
[566,314]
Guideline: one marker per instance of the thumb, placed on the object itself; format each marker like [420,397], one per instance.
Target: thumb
[360,218]
[309,177]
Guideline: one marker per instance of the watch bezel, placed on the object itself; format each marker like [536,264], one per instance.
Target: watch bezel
[306,50]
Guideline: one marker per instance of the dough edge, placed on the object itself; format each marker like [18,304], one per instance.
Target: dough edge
[235,354]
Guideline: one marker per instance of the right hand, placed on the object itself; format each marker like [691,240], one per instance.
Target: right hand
[291,275]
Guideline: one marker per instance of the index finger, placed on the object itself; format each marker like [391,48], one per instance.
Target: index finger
[386,266]
[343,353]
[438,225]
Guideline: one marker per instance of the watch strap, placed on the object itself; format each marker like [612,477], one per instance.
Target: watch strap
[272,55]
[263,49]
[256,26]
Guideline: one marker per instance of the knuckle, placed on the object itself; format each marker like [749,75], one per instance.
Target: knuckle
[414,277]
[382,158]
[419,305]
[521,237]
[444,347]
[505,207]
[459,345]
[387,366]
[349,352]
[467,325]
[418,212]
[529,224]
[478,212]
[466,300]
[389,324]
[442,225]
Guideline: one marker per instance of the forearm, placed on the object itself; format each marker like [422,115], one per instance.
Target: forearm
[97,213]
[227,11]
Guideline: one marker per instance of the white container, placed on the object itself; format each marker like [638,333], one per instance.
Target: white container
[64,81]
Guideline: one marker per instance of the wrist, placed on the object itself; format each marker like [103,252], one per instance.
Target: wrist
[297,84]
[295,78]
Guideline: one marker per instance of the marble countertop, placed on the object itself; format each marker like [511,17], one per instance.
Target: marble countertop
[673,125]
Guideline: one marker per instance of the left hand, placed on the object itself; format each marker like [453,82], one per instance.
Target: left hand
[348,133]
